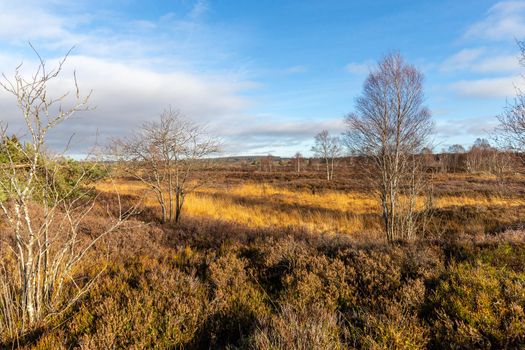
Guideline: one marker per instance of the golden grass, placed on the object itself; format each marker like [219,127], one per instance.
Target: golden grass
[260,215]
[354,202]
[203,204]
[121,186]
[329,211]
[451,201]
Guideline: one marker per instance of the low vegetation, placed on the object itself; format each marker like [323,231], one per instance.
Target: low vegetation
[273,265]
[204,284]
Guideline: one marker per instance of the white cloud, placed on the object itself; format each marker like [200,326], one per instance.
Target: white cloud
[498,63]
[504,21]
[136,68]
[199,8]
[297,69]
[462,59]
[359,68]
[181,39]
[125,95]
[481,60]
[267,134]
[473,127]
[488,88]
[301,129]
[20,21]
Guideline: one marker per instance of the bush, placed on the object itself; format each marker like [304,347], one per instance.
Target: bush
[298,328]
[168,287]
[480,306]
[142,304]
[237,302]
[70,179]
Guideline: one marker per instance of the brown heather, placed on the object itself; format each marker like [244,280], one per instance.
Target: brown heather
[215,284]
[167,287]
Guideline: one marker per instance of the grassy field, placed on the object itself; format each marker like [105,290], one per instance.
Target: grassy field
[290,261]
[266,205]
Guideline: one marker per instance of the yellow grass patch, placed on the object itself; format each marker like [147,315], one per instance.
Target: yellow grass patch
[265,215]
[450,201]
[354,202]
[269,206]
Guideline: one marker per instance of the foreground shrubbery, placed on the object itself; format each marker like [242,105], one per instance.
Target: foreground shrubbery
[205,285]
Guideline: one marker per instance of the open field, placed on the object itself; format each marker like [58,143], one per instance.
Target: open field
[263,265]
[285,260]
[277,204]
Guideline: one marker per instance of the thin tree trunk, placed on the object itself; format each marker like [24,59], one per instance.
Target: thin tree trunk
[170,194]
[327,169]
[179,202]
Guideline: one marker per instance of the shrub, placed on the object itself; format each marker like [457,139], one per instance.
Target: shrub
[141,304]
[297,273]
[237,302]
[480,306]
[396,329]
[171,287]
[298,327]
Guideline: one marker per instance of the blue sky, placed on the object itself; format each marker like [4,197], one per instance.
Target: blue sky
[265,76]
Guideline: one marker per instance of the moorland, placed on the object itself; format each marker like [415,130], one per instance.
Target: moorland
[288,260]
[160,244]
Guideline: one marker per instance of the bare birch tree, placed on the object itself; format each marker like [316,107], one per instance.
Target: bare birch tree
[164,156]
[453,159]
[510,133]
[390,128]
[298,159]
[41,244]
[481,157]
[328,148]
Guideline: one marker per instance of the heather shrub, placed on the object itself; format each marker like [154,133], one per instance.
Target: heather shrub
[377,275]
[394,329]
[297,273]
[168,287]
[138,302]
[236,302]
[477,305]
[142,304]
[298,328]
[421,260]
[505,255]
[318,280]
[385,314]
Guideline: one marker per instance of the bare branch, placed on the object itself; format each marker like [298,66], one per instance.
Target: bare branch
[390,128]
[165,155]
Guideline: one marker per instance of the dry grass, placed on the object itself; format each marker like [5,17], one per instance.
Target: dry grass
[484,201]
[354,202]
[257,215]
[208,285]
[263,205]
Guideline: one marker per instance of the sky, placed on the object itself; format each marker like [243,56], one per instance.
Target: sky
[265,76]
